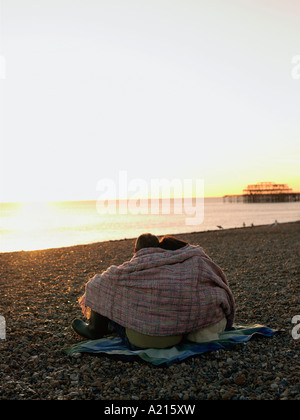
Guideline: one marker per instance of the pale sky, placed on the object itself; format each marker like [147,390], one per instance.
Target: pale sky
[167,89]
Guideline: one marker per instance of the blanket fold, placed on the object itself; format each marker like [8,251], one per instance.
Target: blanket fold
[162,293]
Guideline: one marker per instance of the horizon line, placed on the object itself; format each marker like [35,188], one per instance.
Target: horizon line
[109,199]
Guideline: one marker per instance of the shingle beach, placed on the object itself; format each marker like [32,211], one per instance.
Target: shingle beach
[39,299]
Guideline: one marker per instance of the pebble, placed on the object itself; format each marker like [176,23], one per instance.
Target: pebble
[240,380]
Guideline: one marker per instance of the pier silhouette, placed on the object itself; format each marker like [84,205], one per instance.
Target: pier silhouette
[265,192]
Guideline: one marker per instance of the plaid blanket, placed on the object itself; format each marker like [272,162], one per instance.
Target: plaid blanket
[162,293]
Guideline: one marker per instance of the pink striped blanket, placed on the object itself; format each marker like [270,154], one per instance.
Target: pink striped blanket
[162,293]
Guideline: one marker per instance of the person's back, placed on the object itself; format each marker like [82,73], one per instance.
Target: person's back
[210,332]
[137,339]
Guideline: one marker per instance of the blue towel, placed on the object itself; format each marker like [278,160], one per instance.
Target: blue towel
[115,347]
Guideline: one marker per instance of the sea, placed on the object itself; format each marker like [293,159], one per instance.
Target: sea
[33,226]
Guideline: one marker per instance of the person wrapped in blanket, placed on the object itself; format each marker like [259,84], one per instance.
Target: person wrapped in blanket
[168,292]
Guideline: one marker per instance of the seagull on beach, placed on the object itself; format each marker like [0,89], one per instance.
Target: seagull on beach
[274,224]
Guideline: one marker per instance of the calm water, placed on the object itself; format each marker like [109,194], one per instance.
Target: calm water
[49,225]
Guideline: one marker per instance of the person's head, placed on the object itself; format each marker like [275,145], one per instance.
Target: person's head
[146,240]
[171,243]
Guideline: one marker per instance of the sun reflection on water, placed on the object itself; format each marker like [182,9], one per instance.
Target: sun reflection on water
[30,225]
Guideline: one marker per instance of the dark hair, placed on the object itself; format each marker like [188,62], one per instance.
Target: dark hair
[146,240]
[171,243]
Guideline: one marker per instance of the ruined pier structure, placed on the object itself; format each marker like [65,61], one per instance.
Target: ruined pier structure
[265,192]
